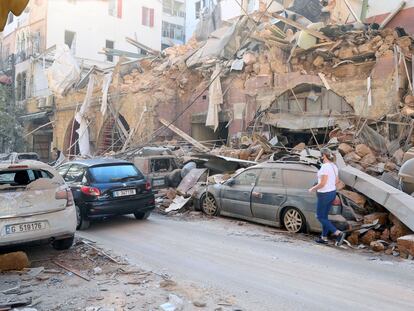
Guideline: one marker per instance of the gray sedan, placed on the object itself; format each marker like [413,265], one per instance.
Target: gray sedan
[271,193]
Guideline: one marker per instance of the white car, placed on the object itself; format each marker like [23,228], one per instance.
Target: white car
[35,205]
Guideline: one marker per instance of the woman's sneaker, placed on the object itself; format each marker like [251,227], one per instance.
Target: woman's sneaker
[321,241]
[340,239]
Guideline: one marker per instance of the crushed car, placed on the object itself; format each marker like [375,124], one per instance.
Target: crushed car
[273,193]
[35,205]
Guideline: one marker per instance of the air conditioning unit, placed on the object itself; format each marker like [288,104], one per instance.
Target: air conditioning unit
[41,103]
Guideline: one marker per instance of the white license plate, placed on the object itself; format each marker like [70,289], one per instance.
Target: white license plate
[158,182]
[26,227]
[124,193]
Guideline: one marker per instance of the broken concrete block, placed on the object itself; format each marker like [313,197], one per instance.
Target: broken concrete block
[365,48]
[355,197]
[377,246]
[390,166]
[389,39]
[362,150]
[344,149]
[346,52]
[265,69]
[409,100]
[14,261]
[406,244]
[249,58]
[245,154]
[398,156]
[299,147]
[398,230]
[354,238]
[368,160]
[171,193]
[385,235]
[352,157]
[369,237]
[381,217]
[318,61]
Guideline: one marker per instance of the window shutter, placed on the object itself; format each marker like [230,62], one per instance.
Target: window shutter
[119,8]
[151,18]
[144,16]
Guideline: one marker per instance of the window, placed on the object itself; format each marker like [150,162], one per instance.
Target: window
[173,8]
[109,45]
[63,169]
[173,31]
[70,40]
[10,18]
[147,16]
[270,177]
[299,179]
[161,165]
[115,173]
[22,177]
[247,178]
[21,86]
[115,8]
[197,9]
[75,173]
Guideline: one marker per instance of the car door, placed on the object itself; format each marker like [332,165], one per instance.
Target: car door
[74,177]
[268,195]
[236,193]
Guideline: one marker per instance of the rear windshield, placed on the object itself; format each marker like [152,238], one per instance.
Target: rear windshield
[22,177]
[28,157]
[115,173]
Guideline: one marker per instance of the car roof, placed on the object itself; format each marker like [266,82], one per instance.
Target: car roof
[98,161]
[287,165]
[31,164]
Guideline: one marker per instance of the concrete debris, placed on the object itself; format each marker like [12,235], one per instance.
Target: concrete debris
[174,303]
[14,261]
[406,244]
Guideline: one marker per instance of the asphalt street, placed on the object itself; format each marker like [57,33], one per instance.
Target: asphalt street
[263,268]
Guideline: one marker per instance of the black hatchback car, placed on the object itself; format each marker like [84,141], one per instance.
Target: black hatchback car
[107,187]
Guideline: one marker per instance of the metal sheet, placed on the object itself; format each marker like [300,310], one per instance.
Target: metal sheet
[191,179]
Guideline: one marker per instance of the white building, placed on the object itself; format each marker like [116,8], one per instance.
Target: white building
[173,22]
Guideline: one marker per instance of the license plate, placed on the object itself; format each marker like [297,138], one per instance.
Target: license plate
[26,227]
[158,182]
[124,193]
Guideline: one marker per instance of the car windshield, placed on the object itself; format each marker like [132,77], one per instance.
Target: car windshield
[115,173]
[28,156]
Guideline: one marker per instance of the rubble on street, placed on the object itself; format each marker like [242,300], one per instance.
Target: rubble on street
[87,277]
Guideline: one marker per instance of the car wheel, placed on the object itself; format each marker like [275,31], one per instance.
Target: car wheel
[142,215]
[209,205]
[82,222]
[293,220]
[63,244]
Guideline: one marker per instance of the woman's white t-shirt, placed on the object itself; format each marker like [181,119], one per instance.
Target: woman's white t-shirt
[330,170]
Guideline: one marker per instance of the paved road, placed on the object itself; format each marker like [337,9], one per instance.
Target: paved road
[264,269]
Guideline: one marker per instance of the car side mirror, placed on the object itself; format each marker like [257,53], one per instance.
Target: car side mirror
[230,182]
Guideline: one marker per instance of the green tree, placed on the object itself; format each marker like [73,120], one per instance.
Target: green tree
[11,129]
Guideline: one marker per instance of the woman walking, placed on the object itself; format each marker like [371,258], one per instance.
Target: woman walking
[326,194]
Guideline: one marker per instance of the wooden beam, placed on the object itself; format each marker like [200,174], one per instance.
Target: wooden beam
[312,32]
[351,10]
[183,135]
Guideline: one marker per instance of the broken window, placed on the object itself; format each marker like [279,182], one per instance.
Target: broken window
[21,86]
[147,16]
[109,45]
[70,40]
[22,177]
[160,165]
[75,173]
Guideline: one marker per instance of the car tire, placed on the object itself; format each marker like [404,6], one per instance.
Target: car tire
[82,222]
[293,220]
[208,205]
[142,215]
[63,244]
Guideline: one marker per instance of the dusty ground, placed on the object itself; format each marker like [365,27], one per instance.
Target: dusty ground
[118,286]
[219,263]
[264,268]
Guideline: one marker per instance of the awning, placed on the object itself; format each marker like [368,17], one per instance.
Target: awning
[298,122]
[34,116]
